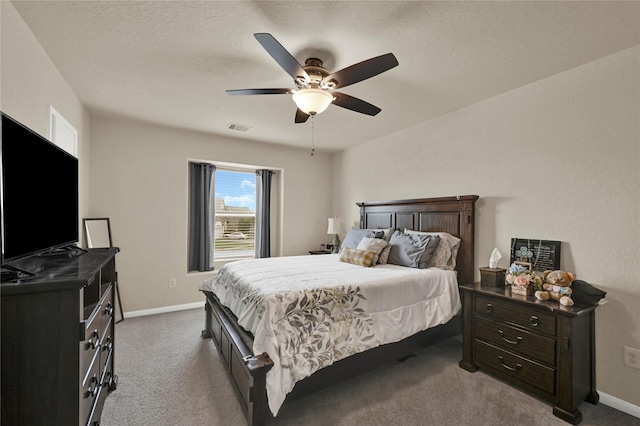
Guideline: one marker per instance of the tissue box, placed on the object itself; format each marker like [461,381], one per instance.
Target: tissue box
[492,277]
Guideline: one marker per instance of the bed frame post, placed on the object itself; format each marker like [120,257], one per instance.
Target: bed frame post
[258,408]
[247,372]
[206,333]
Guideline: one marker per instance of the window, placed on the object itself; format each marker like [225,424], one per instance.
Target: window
[235,214]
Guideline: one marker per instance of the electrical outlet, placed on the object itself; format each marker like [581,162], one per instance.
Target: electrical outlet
[172,283]
[632,357]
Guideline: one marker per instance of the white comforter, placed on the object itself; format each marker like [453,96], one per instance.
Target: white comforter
[307,312]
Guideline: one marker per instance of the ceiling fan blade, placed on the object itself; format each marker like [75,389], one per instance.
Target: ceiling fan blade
[362,70]
[301,117]
[354,104]
[259,92]
[281,56]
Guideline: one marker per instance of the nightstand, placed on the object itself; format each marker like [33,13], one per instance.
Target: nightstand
[320,252]
[538,346]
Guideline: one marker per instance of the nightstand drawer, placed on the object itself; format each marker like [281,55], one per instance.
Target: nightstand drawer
[508,364]
[531,319]
[517,340]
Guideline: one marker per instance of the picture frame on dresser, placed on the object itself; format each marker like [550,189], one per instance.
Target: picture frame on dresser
[97,234]
[541,254]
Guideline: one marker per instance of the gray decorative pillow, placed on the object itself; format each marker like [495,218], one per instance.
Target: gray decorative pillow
[387,232]
[428,252]
[446,253]
[412,250]
[378,234]
[354,236]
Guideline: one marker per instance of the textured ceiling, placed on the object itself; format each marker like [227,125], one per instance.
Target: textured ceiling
[171,62]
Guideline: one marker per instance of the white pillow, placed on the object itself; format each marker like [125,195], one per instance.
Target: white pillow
[447,251]
[372,244]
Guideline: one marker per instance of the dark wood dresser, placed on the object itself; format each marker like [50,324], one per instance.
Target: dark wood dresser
[541,347]
[58,336]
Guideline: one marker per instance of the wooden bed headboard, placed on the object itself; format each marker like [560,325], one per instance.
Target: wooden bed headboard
[455,215]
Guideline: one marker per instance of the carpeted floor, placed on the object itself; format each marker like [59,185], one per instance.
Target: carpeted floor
[169,376]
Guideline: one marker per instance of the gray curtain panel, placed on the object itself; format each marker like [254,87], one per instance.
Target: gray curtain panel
[201,216]
[263,213]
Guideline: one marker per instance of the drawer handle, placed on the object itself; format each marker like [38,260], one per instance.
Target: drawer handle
[93,343]
[107,379]
[107,344]
[513,342]
[534,321]
[108,310]
[91,391]
[508,367]
[489,308]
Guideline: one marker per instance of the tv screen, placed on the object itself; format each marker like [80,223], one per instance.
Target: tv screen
[39,193]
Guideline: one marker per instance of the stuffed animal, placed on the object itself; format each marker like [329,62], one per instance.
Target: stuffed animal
[556,286]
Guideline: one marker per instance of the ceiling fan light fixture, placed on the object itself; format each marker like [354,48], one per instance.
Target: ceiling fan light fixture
[312,101]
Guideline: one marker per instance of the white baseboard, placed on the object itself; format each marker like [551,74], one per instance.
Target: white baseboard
[163,310]
[618,404]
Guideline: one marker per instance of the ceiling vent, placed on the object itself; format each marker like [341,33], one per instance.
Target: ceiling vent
[238,127]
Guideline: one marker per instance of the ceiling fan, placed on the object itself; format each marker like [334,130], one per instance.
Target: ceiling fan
[315,85]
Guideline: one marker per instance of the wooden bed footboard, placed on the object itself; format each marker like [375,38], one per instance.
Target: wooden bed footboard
[246,371]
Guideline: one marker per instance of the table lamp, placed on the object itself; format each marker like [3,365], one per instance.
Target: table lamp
[335,227]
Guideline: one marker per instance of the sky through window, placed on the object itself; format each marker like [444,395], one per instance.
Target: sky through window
[236,188]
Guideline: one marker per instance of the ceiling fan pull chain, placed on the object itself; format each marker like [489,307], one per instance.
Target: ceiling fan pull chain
[313,144]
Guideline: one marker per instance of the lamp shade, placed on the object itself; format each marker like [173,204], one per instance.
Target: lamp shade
[335,225]
[312,101]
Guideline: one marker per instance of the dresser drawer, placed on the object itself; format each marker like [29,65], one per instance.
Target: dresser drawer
[514,366]
[532,319]
[514,339]
[106,382]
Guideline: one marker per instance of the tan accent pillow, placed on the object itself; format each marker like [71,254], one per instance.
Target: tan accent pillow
[357,257]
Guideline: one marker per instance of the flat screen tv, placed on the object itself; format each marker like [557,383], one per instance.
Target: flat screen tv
[39,193]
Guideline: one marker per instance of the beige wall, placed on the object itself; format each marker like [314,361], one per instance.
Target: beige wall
[138,175]
[139,179]
[558,159]
[30,83]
